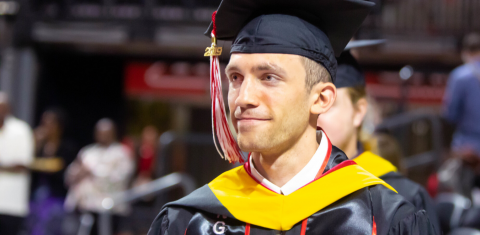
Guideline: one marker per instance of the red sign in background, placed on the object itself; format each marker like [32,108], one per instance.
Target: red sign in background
[164,79]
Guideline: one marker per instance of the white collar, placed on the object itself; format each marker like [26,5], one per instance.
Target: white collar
[302,178]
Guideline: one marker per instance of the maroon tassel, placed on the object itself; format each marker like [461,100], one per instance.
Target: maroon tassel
[220,128]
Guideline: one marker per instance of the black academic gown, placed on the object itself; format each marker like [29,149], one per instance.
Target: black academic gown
[415,194]
[373,208]
[411,191]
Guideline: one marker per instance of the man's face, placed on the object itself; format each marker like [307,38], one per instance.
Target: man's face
[104,135]
[50,124]
[268,100]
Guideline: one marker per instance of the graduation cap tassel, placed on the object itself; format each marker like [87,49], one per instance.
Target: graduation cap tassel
[220,128]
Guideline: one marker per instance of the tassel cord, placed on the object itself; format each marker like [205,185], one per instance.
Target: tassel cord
[220,127]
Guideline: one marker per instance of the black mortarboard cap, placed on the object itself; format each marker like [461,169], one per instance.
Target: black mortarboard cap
[349,72]
[316,29]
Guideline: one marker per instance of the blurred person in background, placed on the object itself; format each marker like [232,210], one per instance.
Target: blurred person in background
[100,171]
[463,96]
[343,125]
[16,155]
[53,154]
[461,106]
[146,154]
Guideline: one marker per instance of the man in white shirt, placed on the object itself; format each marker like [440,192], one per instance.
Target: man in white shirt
[16,152]
[100,171]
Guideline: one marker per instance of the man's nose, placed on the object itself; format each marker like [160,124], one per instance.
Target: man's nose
[248,94]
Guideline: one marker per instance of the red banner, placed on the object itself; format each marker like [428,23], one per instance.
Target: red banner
[163,79]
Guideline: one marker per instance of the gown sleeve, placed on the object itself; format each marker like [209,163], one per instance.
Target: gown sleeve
[422,201]
[394,215]
[170,221]
[415,194]
[414,224]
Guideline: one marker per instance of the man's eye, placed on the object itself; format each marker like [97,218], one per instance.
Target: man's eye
[234,77]
[269,78]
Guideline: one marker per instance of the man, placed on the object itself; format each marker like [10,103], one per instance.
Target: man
[101,170]
[16,153]
[343,123]
[460,105]
[280,75]
[461,100]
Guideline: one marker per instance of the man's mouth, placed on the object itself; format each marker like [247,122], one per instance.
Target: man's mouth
[252,119]
[250,122]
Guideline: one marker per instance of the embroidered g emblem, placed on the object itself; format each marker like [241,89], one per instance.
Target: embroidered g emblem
[219,227]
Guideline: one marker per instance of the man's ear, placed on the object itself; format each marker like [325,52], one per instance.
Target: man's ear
[323,95]
[360,111]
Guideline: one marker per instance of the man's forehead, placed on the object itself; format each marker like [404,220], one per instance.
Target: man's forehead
[272,56]
[262,61]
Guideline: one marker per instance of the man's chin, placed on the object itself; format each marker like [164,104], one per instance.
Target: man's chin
[247,145]
[248,149]
[250,144]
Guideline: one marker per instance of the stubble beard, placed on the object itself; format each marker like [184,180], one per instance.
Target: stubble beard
[270,140]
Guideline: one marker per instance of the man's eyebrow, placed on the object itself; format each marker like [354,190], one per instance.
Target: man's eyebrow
[268,66]
[230,68]
[260,67]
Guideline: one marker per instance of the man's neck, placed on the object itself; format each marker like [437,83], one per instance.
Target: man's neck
[282,167]
[105,145]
